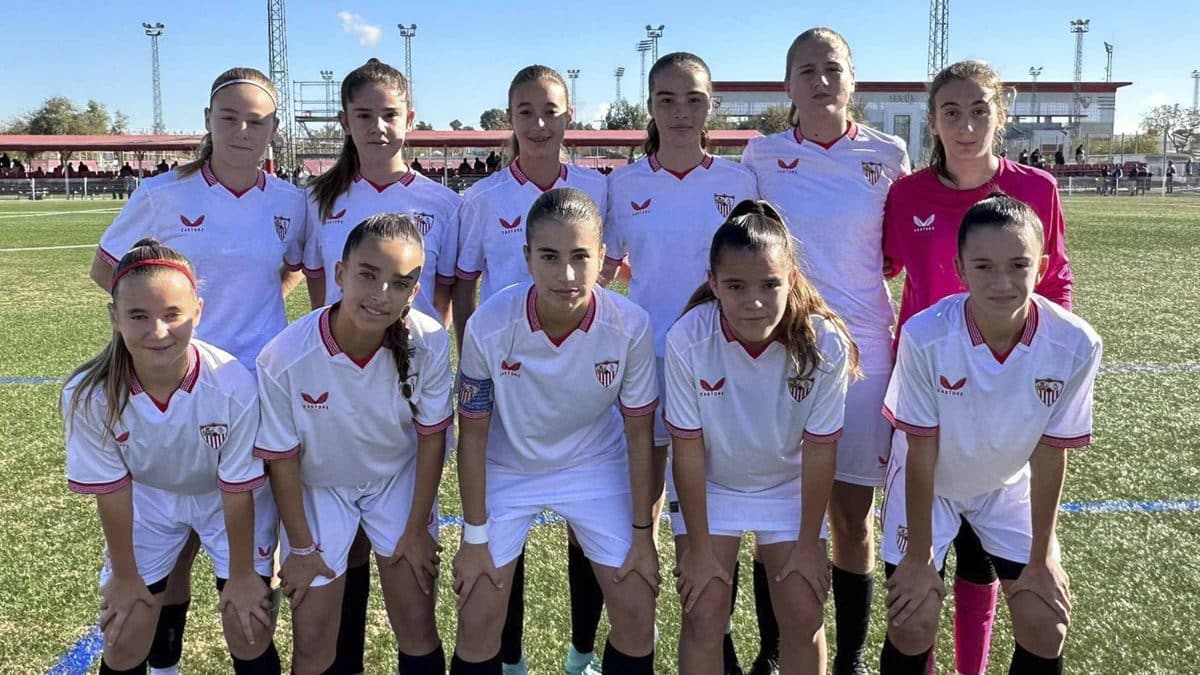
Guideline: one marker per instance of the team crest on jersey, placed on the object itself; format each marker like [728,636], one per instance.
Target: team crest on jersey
[1048,390]
[282,223]
[214,434]
[800,387]
[872,171]
[423,221]
[902,539]
[724,204]
[712,388]
[606,372]
[191,225]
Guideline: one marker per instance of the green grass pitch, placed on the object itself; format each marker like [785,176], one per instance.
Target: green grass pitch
[1136,584]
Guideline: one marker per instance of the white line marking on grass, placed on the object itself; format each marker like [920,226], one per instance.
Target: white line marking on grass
[45,248]
[27,214]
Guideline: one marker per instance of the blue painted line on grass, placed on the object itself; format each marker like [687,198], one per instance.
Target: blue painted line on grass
[31,380]
[86,651]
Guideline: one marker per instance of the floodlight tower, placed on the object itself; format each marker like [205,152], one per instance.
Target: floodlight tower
[1196,89]
[643,47]
[654,34]
[1108,50]
[1034,72]
[1078,27]
[939,35]
[327,75]
[155,31]
[618,73]
[573,75]
[278,61]
[408,32]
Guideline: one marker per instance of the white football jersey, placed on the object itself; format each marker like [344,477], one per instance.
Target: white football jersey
[556,406]
[432,207]
[832,198]
[721,391]
[199,440]
[236,242]
[990,411]
[664,222]
[349,421]
[491,236]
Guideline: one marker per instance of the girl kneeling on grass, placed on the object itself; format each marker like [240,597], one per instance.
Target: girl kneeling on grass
[355,406]
[545,367]
[991,387]
[757,370]
[160,427]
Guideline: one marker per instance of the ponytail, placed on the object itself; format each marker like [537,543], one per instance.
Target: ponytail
[111,371]
[395,338]
[756,226]
[330,185]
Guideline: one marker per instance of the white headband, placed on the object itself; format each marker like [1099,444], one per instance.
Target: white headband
[252,83]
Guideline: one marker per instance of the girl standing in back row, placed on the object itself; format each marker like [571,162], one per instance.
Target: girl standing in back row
[829,177]
[968,106]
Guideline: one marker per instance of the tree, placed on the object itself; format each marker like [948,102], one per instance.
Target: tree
[120,123]
[625,115]
[456,125]
[772,120]
[494,119]
[423,126]
[1179,124]
[58,115]
[95,119]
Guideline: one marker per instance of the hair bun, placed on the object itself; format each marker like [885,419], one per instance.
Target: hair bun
[373,60]
[145,241]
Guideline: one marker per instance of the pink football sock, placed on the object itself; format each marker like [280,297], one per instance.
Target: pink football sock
[974,615]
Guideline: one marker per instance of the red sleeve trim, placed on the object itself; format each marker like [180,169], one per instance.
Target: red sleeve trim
[680,432]
[243,486]
[613,261]
[431,429]
[107,257]
[1066,443]
[314,273]
[99,488]
[641,410]
[465,275]
[913,429]
[822,438]
[443,280]
[271,455]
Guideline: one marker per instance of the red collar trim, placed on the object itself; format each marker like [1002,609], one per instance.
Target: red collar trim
[1031,325]
[331,344]
[851,133]
[187,384]
[405,180]
[753,352]
[705,163]
[211,179]
[535,324]
[515,168]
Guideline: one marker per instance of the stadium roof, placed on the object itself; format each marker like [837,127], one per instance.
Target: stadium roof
[426,139]
[910,87]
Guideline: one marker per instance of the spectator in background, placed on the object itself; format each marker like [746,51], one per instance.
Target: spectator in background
[1080,155]
[464,168]
[493,161]
[1102,183]
[1035,158]
[1023,158]
[1059,158]
[1187,172]
[126,170]
[1170,176]
[5,162]
[18,168]
[479,166]
[416,166]
[162,167]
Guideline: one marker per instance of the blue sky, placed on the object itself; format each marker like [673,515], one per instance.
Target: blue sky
[465,53]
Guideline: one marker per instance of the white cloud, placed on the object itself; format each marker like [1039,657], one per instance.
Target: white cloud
[354,24]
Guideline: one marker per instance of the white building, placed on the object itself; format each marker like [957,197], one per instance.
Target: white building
[1041,113]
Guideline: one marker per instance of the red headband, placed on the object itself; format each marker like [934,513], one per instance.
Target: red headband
[156,262]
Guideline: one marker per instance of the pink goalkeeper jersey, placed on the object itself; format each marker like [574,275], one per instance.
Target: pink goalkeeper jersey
[920,232]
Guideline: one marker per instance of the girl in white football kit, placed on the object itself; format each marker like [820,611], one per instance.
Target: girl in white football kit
[491,243]
[662,212]
[371,177]
[757,370]
[830,177]
[160,428]
[521,450]
[355,401]
[244,231]
[991,387]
